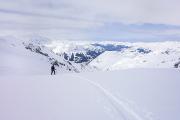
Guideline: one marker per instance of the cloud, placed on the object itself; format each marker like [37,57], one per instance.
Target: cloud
[96,19]
[126,11]
[130,11]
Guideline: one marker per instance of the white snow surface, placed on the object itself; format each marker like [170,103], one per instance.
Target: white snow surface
[162,55]
[134,94]
[17,60]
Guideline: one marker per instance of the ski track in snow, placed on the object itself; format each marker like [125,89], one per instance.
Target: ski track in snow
[114,100]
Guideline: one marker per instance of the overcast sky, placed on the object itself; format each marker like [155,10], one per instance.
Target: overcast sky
[126,20]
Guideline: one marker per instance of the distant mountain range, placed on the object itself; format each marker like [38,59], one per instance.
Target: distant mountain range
[80,56]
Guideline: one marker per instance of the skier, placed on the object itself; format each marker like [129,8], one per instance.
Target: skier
[53,70]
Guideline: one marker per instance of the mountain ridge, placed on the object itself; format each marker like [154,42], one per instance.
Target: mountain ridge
[73,56]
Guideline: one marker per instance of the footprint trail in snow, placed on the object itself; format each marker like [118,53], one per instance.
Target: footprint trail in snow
[126,112]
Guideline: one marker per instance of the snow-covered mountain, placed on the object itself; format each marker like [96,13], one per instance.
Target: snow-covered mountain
[140,55]
[119,55]
[29,57]
[36,54]
[28,92]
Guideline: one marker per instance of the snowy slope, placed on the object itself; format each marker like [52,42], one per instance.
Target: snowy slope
[29,57]
[140,55]
[16,60]
[136,94]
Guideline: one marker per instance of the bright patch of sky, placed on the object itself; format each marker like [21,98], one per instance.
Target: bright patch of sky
[126,20]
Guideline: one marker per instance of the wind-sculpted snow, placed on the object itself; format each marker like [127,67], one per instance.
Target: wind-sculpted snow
[139,94]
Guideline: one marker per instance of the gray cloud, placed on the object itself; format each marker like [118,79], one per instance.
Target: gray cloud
[126,11]
[84,17]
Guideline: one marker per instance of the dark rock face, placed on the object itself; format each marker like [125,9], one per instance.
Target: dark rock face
[143,50]
[90,54]
[39,50]
[82,57]
[36,49]
[177,65]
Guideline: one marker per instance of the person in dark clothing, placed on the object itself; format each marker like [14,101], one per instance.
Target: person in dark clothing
[53,70]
